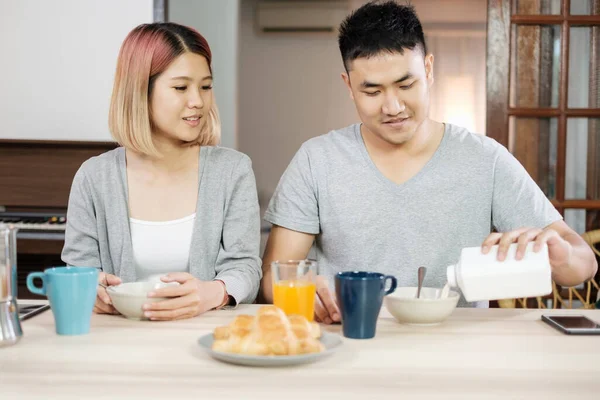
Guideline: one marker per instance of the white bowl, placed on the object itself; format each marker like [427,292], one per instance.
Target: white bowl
[129,298]
[429,309]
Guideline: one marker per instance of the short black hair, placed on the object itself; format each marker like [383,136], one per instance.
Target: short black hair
[377,27]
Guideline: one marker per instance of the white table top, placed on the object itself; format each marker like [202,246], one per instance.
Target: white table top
[476,354]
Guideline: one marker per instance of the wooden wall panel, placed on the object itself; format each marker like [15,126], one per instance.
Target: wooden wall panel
[39,174]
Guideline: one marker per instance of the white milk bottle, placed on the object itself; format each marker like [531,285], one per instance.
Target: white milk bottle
[482,277]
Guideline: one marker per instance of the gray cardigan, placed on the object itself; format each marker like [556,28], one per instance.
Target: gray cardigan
[226,236]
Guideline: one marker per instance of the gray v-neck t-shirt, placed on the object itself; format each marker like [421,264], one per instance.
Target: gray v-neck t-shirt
[363,221]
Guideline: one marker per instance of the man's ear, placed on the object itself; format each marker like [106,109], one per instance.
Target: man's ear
[429,69]
[346,79]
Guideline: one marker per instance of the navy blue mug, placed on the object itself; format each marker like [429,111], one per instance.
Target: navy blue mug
[360,295]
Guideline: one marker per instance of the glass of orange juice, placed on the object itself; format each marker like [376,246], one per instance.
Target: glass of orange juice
[294,286]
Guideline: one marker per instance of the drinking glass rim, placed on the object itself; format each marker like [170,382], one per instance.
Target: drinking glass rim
[294,263]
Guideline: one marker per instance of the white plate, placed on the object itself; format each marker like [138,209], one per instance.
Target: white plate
[330,341]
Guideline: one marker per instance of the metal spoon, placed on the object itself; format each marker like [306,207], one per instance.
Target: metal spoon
[422,272]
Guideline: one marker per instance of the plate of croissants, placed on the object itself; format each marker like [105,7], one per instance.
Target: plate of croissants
[269,339]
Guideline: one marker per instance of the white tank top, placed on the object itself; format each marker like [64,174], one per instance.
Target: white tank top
[161,247]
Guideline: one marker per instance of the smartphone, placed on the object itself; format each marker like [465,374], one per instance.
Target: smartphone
[572,324]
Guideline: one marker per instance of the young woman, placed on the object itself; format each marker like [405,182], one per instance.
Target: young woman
[167,202]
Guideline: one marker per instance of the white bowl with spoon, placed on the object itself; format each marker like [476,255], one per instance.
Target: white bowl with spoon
[431,308]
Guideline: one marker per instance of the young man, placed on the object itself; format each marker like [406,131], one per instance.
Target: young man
[400,190]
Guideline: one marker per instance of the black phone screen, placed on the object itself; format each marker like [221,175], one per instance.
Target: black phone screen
[574,322]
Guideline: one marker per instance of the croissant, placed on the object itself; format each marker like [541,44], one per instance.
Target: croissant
[270,332]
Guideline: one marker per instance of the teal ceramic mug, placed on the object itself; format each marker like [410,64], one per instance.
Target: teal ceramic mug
[71,292]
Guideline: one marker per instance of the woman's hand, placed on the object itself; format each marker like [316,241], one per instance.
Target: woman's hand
[190,298]
[103,303]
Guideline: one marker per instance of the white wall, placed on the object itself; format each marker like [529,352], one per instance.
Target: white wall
[290,90]
[218,22]
[448,11]
[58,64]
